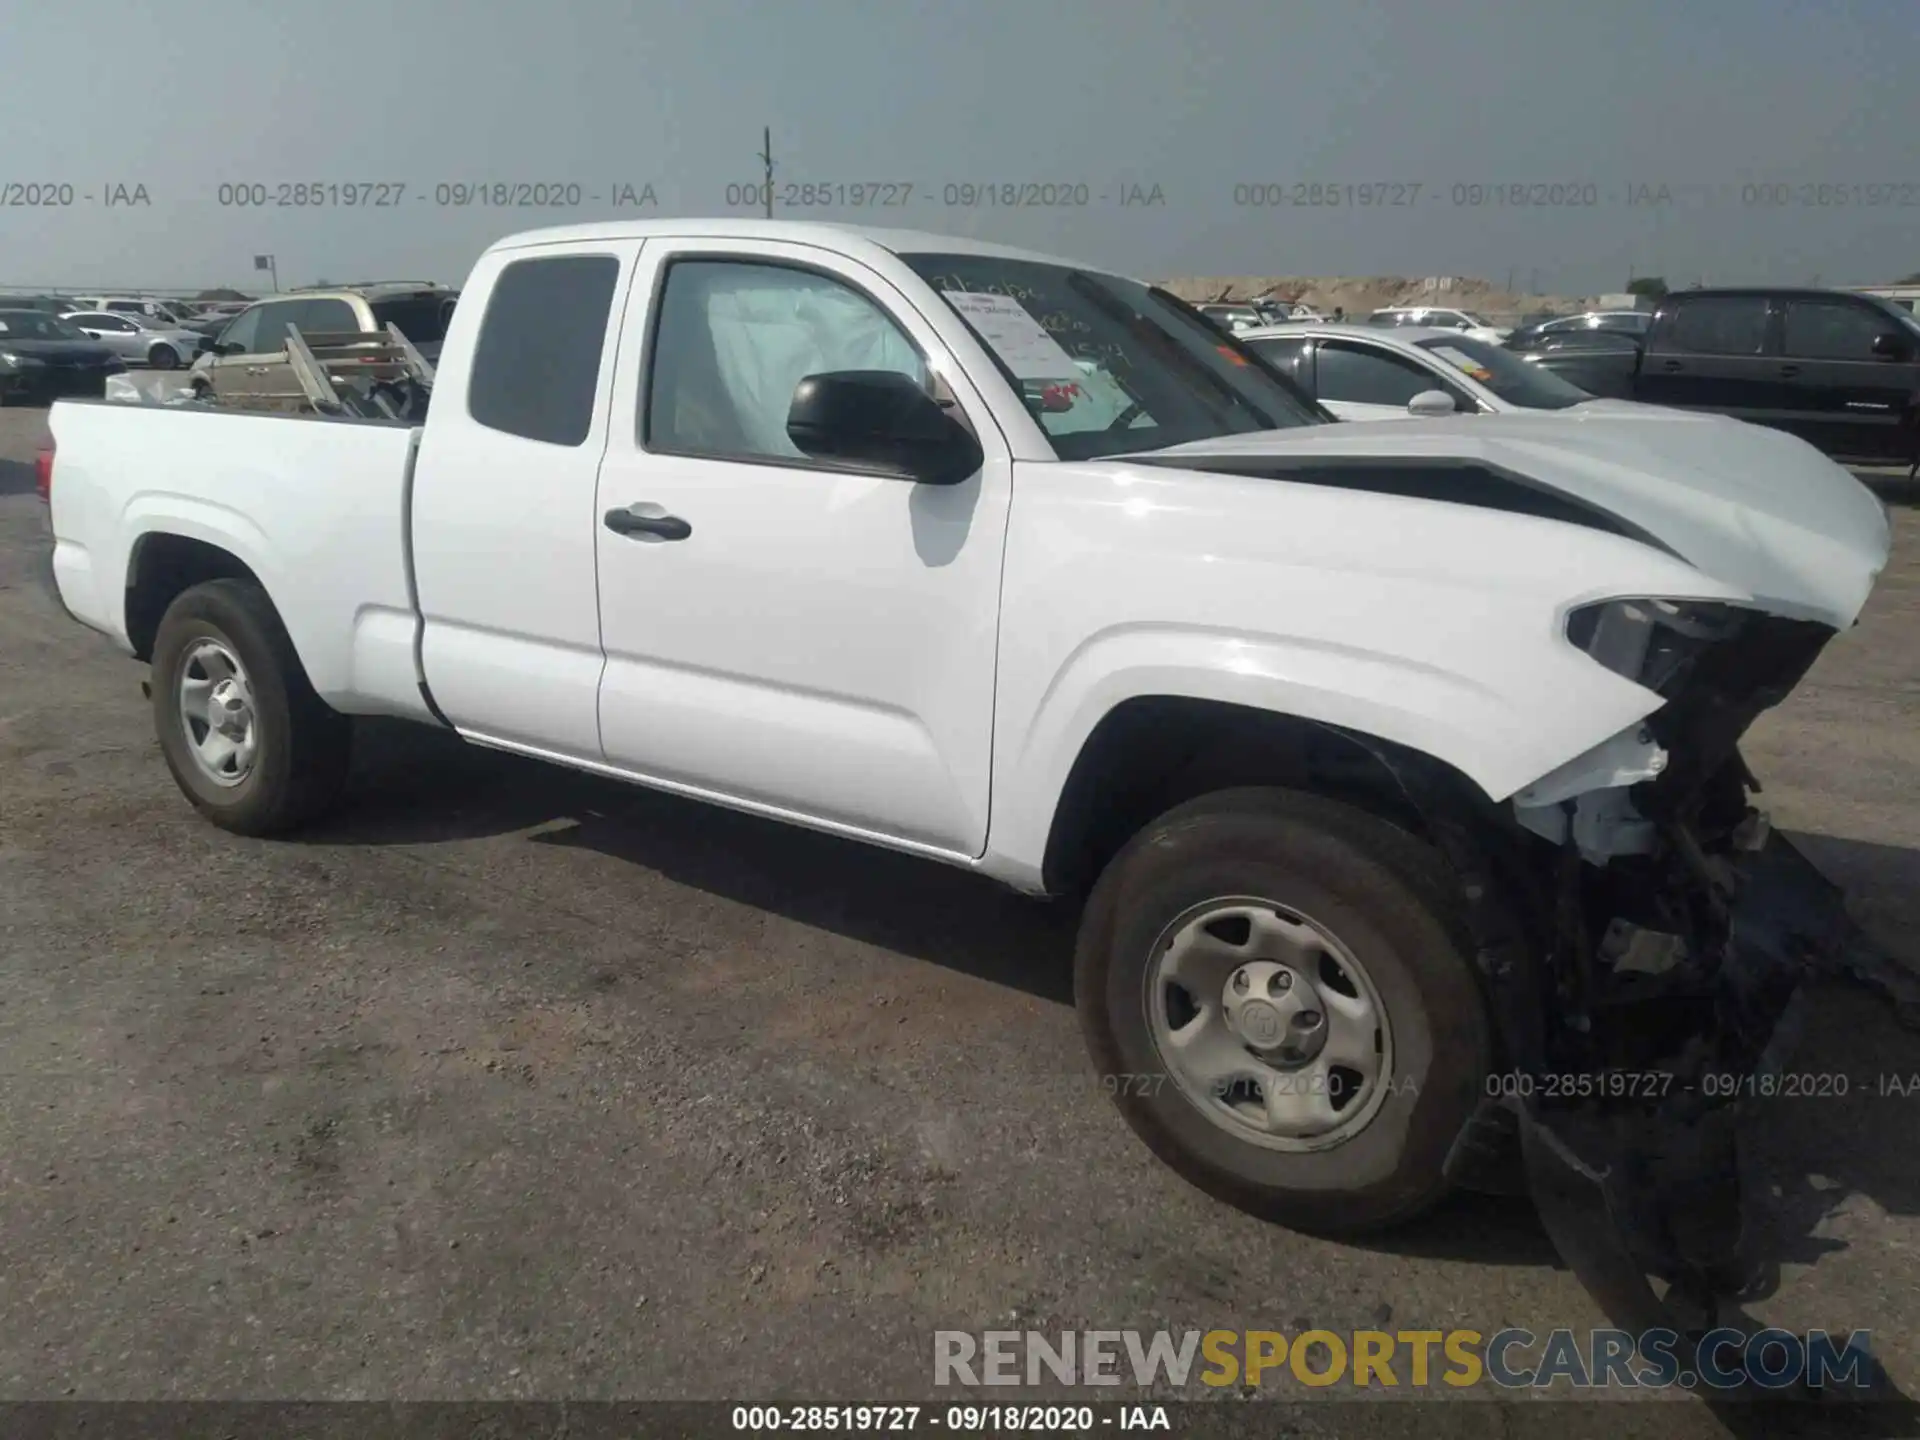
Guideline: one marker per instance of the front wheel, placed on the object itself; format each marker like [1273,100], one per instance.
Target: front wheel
[247,740]
[1279,997]
[164,357]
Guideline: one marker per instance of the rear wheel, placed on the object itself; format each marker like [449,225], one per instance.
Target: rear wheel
[1276,988]
[163,357]
[247,740]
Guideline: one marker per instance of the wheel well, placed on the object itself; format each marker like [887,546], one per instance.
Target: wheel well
[161,567]
[1152,753]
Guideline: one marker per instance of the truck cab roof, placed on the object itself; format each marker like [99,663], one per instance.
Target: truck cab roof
[795,232]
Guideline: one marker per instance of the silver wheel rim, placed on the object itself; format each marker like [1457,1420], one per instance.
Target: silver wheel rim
[217,714]
[1269,1024]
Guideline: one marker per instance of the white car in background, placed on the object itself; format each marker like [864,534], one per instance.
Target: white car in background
[1236,316]
[1463,322]
[139,339]
[1359,372]
[163,312]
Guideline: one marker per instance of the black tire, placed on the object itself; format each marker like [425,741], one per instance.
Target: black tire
[1389,899]
[304,746]
[163,357]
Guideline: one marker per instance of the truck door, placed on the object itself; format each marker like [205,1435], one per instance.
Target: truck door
[1847,399]
[1711,352]
[503,498]
[261,334]
[792,636]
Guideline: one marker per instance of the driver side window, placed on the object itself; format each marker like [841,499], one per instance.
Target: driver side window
[734,339]
[241,331]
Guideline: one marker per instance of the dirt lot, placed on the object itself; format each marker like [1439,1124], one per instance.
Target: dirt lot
[516,1083]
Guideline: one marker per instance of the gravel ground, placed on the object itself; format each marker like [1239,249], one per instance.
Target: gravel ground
[516,1083]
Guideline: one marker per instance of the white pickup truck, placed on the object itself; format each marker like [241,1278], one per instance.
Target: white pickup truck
[1401,760]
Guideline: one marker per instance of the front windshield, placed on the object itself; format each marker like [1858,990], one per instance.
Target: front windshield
[1505,374]
[1109,366]
[36,325]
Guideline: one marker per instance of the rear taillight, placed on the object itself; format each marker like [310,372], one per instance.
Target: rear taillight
[43,474]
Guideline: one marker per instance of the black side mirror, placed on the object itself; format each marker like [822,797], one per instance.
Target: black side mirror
[1889,346]
[881,419]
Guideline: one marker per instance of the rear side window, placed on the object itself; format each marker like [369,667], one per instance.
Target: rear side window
[536,364]
[421,318]
[326,317]
[1722,325]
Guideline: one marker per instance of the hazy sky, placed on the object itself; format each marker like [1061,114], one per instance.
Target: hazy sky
[1703,96]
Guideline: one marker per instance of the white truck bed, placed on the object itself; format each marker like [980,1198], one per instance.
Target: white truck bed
[333,539]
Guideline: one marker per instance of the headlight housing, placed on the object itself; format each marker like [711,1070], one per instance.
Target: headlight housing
[14,360]
[1652,642]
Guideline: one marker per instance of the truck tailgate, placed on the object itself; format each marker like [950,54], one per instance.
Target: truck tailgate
[315,508]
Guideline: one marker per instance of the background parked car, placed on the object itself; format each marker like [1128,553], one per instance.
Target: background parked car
[1596,360]
[1838,369]
[51,304]
[1234,318]
[1438,318]
[1362,372]
[1284,312]
[139,338]
[209,320]
[42,357]
[167,312]
[250,350]
[1606,322]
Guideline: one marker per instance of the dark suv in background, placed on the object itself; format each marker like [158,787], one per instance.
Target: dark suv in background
[1839,369]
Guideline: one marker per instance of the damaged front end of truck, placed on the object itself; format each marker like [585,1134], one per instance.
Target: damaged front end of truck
[1644,938]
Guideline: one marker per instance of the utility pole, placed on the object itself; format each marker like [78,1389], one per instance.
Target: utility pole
[766,159]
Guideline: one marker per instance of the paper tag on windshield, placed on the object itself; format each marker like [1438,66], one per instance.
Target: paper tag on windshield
[1462,361]
[1021,342]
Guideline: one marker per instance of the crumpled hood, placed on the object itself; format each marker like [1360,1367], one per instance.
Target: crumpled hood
[1753,508]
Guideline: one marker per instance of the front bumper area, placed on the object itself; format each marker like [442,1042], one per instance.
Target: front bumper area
[1654,1185]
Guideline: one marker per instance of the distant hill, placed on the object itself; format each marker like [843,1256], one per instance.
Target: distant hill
[1360,294]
